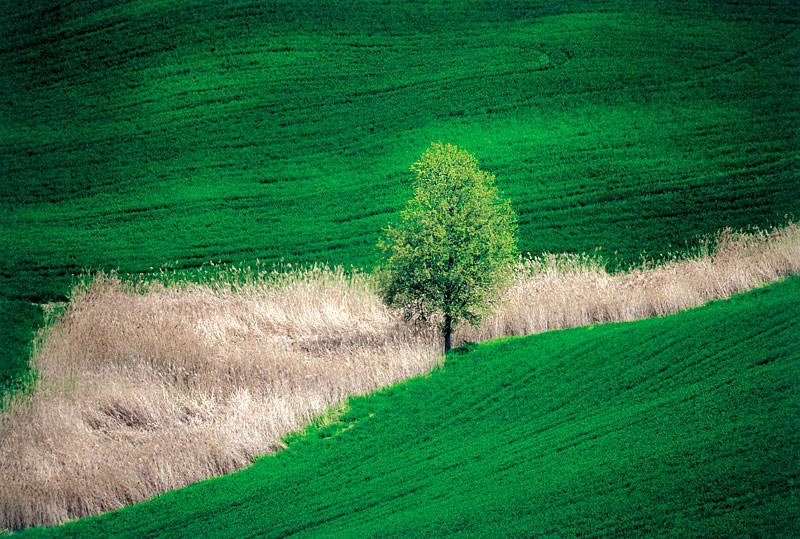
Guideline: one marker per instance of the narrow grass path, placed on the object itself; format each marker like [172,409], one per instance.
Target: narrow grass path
[683,425]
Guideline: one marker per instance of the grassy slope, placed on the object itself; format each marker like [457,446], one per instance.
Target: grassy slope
[18,319]
[686,424]
[136,134]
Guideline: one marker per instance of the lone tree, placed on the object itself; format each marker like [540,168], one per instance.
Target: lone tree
[454,246]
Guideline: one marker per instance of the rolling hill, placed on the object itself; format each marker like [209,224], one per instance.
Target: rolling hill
[142,134]
[138,134]
[683,425]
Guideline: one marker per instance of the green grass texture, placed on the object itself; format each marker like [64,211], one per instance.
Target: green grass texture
[18,320]
[685,425]
[141,133]
[136,134]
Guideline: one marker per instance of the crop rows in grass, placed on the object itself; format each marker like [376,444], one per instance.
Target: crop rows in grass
[141,134]
[685,425]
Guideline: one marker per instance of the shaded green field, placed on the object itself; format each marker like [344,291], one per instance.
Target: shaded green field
[685,425]
[138,134]
[18,321]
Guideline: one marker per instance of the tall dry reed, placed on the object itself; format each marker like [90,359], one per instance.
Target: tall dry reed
[560,291]
[143,387]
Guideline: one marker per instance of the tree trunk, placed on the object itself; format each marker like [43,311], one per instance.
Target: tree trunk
[448,330]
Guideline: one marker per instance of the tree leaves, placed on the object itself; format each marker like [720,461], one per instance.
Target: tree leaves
[452,251]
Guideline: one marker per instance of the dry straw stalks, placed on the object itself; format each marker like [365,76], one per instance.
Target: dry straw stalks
[144,388]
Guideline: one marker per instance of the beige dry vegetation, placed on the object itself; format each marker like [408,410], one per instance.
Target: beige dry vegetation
[144,388]
[560,291]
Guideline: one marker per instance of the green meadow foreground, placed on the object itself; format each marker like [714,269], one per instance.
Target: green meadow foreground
[144,133]
[685,425]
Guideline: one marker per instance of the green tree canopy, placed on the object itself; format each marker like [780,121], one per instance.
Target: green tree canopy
[454,246]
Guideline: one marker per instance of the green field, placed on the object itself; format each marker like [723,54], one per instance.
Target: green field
[685,425]
[139,134]
[17,321]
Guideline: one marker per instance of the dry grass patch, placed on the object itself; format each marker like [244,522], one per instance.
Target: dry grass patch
[144,388]
[560,291]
